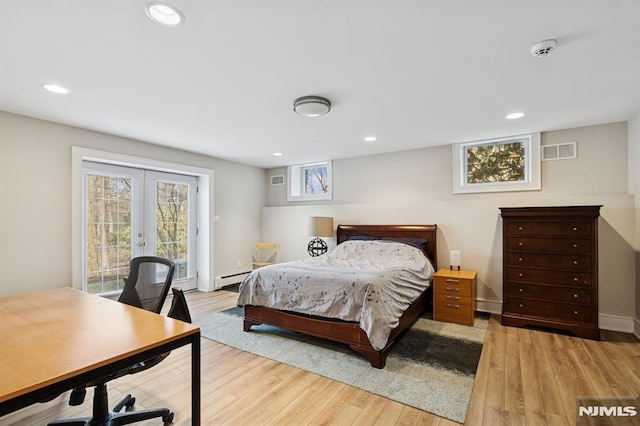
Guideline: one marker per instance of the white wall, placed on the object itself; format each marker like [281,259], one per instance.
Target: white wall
[415,187]
[35,192]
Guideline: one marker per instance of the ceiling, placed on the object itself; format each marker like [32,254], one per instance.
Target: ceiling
[413,73]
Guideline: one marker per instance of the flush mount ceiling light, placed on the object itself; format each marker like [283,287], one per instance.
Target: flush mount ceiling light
[543,48]
[55,88]
[370,139]
[312,106]
[514,115]
[164,14]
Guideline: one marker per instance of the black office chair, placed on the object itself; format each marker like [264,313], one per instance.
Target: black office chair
[146,287]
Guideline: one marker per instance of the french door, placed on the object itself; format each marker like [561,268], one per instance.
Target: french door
[131,212]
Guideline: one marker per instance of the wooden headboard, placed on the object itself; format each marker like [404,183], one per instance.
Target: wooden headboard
[427,232]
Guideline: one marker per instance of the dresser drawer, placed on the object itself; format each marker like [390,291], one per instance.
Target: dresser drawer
[550,245]
[550,261]
[550,229]
[555,294]
[454,286]
[578,279]
[549,309]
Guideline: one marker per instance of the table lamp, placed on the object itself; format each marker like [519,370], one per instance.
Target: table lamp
[318,226]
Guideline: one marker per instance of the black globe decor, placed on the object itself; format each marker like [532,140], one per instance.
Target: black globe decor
[316,247]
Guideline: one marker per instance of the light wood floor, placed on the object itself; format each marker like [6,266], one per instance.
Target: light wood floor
[525,377]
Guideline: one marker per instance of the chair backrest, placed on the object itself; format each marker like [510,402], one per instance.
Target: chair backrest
[266,254]
[148,283]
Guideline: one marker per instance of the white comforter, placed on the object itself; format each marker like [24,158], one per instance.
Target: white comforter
[369,282]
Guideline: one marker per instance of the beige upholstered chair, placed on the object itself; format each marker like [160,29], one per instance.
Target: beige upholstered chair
[266,254]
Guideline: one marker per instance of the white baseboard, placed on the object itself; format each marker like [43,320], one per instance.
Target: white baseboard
[490,306]
[606,322]
[616,323]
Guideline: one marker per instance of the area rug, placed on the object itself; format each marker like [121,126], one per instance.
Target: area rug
[432,367]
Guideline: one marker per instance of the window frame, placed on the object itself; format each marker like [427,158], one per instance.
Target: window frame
[531,182]
[296,182]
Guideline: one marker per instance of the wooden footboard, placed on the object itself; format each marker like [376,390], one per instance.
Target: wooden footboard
[345,332]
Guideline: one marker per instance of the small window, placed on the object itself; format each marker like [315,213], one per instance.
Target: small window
[496,165]
[308,182]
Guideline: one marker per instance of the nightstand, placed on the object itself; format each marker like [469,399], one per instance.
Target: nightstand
[454,296]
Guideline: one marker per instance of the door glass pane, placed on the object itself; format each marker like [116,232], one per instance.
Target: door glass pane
[172,223]
[108,233]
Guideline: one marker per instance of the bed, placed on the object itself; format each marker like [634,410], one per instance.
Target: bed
[349,332]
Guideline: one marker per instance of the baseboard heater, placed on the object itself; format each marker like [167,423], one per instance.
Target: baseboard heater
[226,280]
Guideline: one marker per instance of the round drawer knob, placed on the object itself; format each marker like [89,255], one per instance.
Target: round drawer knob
[575,246]
[575,312]
[575,262]
[520,290]
[521,305]
[575,229]
[520,274]
[575,296]
[519,228]
[519,259]
[575,279]
[520,244]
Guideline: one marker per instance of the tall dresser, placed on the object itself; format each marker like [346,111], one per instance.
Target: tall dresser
[550,268]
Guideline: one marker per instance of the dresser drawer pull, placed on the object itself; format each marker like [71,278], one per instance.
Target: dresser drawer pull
[575,246]
[575,295]
[575,262]
[519,259]
[519,228]
[453,298]
[457,290]
[520,244]
[451,280]
[575,312]
[520,290]
[520,274]
[575,229]
[449,305]
[521,305]
[575,279]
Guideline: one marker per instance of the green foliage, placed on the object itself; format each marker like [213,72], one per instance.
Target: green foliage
[501,162]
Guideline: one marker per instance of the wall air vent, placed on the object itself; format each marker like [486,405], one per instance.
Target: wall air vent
[277,180]
[560,151]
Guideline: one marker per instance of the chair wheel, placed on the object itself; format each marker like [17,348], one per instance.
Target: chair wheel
[131,402]
[168,419]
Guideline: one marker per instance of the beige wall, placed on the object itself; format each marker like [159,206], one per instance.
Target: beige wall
[35,189]
[415,187]
[634,188]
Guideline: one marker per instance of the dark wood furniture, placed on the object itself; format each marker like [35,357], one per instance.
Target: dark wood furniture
[550,268]
[348,332]
[454,296]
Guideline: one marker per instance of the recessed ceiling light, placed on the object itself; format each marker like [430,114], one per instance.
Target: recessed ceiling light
[164,14]
[514,115]
[370,139]
[55,88]
[277,154]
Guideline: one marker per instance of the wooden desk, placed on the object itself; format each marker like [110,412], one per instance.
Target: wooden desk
[55,340]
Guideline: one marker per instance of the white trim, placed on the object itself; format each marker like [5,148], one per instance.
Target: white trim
[532,168]
[615,323]
[490,306]
[206,238]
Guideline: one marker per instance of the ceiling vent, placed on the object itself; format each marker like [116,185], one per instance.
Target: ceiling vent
[543,48]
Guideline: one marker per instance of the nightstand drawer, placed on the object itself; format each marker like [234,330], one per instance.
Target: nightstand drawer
[453,312]
[443,299]
[455,286]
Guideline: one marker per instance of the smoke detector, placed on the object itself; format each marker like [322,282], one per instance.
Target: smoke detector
[543,48]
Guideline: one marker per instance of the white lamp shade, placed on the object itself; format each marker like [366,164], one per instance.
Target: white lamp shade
[318,226]
[454,258]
